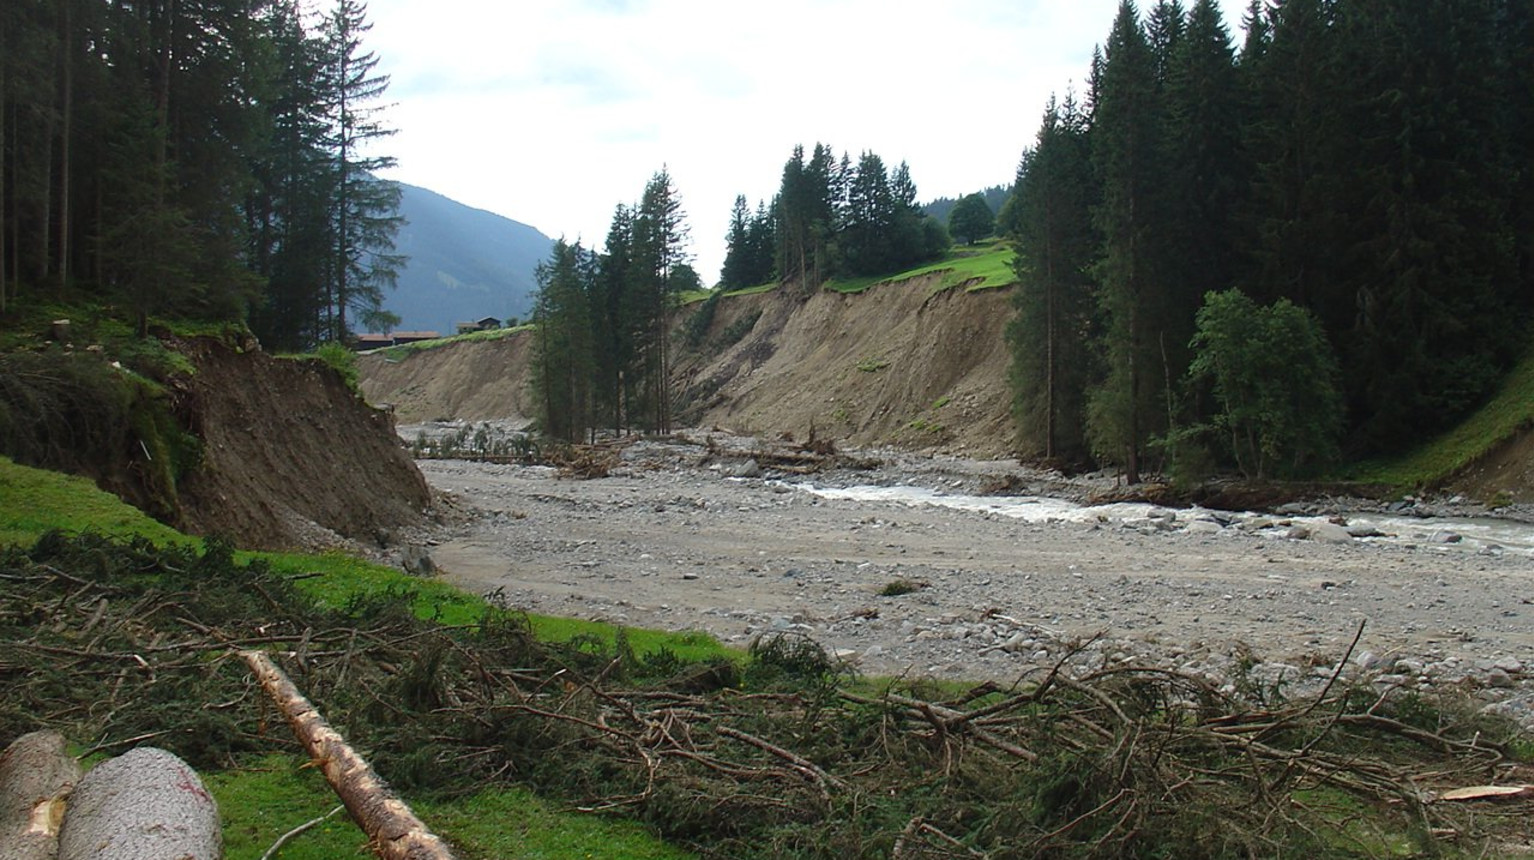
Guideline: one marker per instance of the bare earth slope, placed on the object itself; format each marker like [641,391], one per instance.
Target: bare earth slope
[473,381]
[897,365]
[290,456]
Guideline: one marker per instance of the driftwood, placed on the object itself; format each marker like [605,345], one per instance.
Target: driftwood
[394,832]
[36,775]
[146,804]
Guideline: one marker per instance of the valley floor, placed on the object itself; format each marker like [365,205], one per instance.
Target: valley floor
[669,540]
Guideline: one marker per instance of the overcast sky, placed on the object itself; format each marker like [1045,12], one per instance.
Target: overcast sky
[552,112]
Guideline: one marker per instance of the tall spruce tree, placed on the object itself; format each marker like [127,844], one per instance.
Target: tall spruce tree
[659,240]
[612,308]
[736,271]
[1426,267]
[1053,334]
[365,214]
[565,372]
[1204,176]
[867,238]
[1125,408]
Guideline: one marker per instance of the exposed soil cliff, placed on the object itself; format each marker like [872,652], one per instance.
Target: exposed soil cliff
[289,455]
[897,365]
[469,381]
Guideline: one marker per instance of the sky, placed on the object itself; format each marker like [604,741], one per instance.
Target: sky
[553,112]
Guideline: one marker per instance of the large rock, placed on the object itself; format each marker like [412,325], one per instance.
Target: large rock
[36,775]
[146,804]
[1329,533]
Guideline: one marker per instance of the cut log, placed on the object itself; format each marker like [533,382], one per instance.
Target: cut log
[36,776]
[146,804]
[394,832]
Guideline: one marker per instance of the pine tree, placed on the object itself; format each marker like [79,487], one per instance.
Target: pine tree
[736,271]
[659,239]
[612,308]
[1293,142]
[1204,176]
[288,209]
[1053,334]
[365,214]
[762,242]
[866,239]
[1425,265]
[1125,132]
[565,369]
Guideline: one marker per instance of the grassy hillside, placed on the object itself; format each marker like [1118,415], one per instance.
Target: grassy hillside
[462,263]
[984,265]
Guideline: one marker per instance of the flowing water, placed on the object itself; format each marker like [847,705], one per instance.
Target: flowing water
[1464,534]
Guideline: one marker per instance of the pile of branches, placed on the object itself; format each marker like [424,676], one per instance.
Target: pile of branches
[781,754]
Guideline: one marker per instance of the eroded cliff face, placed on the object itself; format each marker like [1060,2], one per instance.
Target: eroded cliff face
[898,365]
[468,381]
[290,456]
[901,364]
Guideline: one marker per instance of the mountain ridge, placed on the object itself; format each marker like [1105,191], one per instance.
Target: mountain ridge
[463,263]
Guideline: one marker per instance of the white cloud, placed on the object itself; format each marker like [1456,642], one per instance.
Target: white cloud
[554,112]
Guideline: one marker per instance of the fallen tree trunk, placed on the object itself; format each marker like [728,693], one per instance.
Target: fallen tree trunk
[36,776]
[146,804]
[393,830]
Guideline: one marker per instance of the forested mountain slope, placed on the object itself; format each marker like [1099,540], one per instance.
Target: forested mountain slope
[462,263]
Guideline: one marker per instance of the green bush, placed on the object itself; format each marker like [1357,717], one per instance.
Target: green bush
[739,329]
[342,360]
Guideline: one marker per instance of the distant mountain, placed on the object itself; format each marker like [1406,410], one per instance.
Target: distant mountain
[465,264]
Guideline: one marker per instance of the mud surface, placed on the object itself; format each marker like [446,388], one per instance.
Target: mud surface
[672,540]
[290,457]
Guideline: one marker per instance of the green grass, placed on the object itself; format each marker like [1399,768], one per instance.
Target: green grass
[982,266]
[265,797]
[33,501]
[396,353]
[1510,410]
[694,296]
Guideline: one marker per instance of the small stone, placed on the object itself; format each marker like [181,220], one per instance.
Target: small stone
[417,561]
[1499,679]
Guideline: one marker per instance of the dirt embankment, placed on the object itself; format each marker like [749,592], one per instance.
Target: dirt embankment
[897,365]
[290,456]
[469,381]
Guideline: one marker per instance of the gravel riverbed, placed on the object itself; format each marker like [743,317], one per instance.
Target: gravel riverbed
[692,534]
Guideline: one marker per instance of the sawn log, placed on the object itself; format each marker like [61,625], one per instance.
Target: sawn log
[36,775]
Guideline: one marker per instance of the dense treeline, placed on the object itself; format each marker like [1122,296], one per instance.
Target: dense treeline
[1359,169]
[604,318]
[830,217]
[603,352]
[204,158]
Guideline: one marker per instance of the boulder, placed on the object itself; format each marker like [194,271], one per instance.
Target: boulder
[417,561]
[1326,532]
